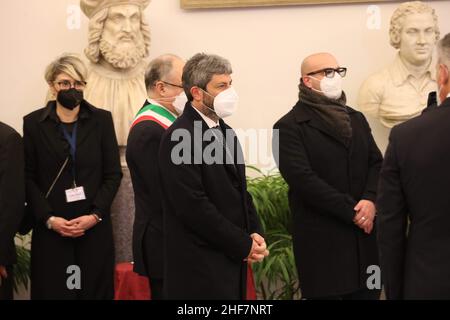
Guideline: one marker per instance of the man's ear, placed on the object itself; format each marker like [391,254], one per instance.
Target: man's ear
[159,87]
[197,93]
[445,74]
[442,75]
[306,81]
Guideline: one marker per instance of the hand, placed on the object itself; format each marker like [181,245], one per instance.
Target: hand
[259,249]
[258,238]
[66,228]
[84,222]
[3,273]
[365,214]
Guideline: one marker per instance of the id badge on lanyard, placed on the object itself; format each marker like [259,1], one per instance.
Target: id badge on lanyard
[75,194]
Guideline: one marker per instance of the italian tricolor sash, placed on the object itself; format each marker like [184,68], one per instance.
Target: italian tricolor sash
[154,113]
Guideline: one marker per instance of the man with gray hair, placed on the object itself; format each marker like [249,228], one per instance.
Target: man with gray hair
[210,223]
[414,186]
[400,91]
[163,82]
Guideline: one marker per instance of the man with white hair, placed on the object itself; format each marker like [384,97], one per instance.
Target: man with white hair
[400,91]
[414,184]
[119,40]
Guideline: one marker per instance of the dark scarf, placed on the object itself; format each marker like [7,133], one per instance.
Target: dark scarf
[333,113]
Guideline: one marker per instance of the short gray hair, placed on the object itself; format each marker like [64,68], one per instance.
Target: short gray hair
[158,69]
[200,69]
[406,9]
[443,49]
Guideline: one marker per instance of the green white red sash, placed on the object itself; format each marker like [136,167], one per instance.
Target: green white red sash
[154,113]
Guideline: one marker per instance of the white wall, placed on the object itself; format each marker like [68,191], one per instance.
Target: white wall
[264,45]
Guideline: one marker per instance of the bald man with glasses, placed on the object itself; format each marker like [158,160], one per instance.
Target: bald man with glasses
[329,159]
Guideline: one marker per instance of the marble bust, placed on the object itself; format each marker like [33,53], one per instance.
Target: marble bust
[400,91]
[119,42]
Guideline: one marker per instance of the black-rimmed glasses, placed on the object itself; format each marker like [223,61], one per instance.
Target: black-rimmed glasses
[66,84]
[330,72]
[171,84]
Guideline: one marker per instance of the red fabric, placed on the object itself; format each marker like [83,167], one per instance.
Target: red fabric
[131,286]
[148,118]
[251,292]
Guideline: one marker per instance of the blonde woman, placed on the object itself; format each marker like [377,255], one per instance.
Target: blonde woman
[72,174]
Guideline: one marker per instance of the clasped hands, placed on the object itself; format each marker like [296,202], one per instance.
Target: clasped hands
[259,249]
[74,228]
[365,215]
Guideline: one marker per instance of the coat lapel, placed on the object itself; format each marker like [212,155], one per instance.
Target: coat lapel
[85,126]
[53,138]
[304,114]
[240,166]
[194,116]
[234,148]
[321,126]
[51,134]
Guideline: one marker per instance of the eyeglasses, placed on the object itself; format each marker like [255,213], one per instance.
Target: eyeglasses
[66,84]
[171,84]
[329,72]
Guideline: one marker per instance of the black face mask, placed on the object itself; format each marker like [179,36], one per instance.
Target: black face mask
[70,98]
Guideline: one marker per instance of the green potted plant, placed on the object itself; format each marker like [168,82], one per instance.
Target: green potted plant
[276,277]
[22,267]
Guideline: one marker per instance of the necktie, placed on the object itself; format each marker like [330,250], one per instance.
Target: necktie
[218,134]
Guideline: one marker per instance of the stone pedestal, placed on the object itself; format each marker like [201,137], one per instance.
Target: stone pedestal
[122,215]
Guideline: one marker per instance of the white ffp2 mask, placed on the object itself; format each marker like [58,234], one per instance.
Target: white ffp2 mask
[180,102]
[225,103]
[331,87]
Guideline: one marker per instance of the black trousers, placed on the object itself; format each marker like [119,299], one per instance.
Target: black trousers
[6,287]
[364,294]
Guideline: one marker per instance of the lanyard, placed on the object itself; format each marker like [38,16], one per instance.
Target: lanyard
[72,140]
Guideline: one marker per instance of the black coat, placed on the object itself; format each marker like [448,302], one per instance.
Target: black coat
[12,191]
[414,185]
[142,159]
[98,171]
[326,180]
[208,219]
